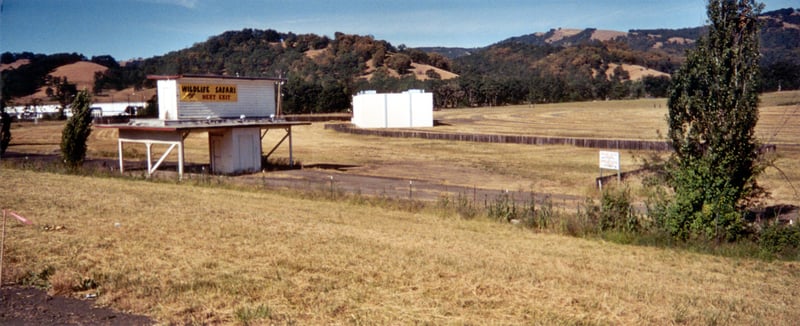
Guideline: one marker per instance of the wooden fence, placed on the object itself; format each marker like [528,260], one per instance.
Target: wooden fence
[507,139]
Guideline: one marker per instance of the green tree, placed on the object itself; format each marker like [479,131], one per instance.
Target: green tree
[713,110]
[77,130]
[656,86]
[5,128]
[61,90]
[399,62]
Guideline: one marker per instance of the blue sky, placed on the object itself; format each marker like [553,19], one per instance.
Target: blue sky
[129,29]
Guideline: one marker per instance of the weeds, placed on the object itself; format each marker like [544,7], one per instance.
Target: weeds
[612,218]
[248,315]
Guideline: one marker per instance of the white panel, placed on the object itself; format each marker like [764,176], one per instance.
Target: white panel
[358,110]
[398,108]
[248,150]
[408,109]
[167,99]
[422,112]
[369,110]
[223,151]
[217,153]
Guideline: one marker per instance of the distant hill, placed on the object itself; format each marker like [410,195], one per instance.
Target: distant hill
[780,38]
[322,72]
[565,37]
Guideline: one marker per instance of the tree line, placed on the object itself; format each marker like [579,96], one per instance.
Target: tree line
[323,73]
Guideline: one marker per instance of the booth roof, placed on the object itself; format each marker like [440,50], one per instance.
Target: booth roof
[170,77]
[199,125]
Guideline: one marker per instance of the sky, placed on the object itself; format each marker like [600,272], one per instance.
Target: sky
[129,29]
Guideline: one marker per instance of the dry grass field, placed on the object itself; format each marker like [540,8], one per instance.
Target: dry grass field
[186,253]
[542,169]
[189,254]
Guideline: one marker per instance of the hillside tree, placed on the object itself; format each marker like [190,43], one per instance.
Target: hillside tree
[61,90]
[400,63]
[713,110]
[77,130]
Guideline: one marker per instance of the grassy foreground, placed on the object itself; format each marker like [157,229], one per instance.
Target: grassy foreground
[190,254]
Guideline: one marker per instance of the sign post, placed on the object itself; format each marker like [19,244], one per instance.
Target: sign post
[609,161]
[3,239]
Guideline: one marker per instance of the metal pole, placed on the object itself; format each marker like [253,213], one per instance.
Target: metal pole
[180,160]
[149,146]
[600,181]
[2,247]
[291,151]
[280,108]
[121,164]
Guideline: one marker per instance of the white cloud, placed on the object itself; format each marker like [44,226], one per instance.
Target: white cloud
[189,4]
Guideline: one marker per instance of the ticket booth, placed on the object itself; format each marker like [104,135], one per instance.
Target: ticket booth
[236,112]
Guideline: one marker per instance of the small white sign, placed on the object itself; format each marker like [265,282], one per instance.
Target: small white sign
[609,160]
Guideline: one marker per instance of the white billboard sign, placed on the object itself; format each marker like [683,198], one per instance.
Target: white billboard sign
[609,160]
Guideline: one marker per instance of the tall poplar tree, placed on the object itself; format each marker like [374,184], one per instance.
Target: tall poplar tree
[713,110]
[77,130]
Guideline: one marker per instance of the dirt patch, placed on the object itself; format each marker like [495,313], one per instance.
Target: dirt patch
[605,35]
[420,72]
[32,306]
[636,72]
[14,65]
[560,34]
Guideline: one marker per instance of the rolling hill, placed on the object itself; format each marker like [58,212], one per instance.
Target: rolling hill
[558,65]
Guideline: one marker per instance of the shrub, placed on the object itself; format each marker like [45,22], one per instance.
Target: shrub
[616,211]
[780,240]
[584,222]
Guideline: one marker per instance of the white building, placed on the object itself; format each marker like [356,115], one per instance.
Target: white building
[235,112]
[410,109]
[27,112]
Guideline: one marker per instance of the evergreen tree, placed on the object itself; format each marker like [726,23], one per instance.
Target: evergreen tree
[713,110]
[77,130]
[5,128]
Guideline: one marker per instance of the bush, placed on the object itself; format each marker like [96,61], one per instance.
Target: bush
[779,240]
[584,222]
[616,211]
